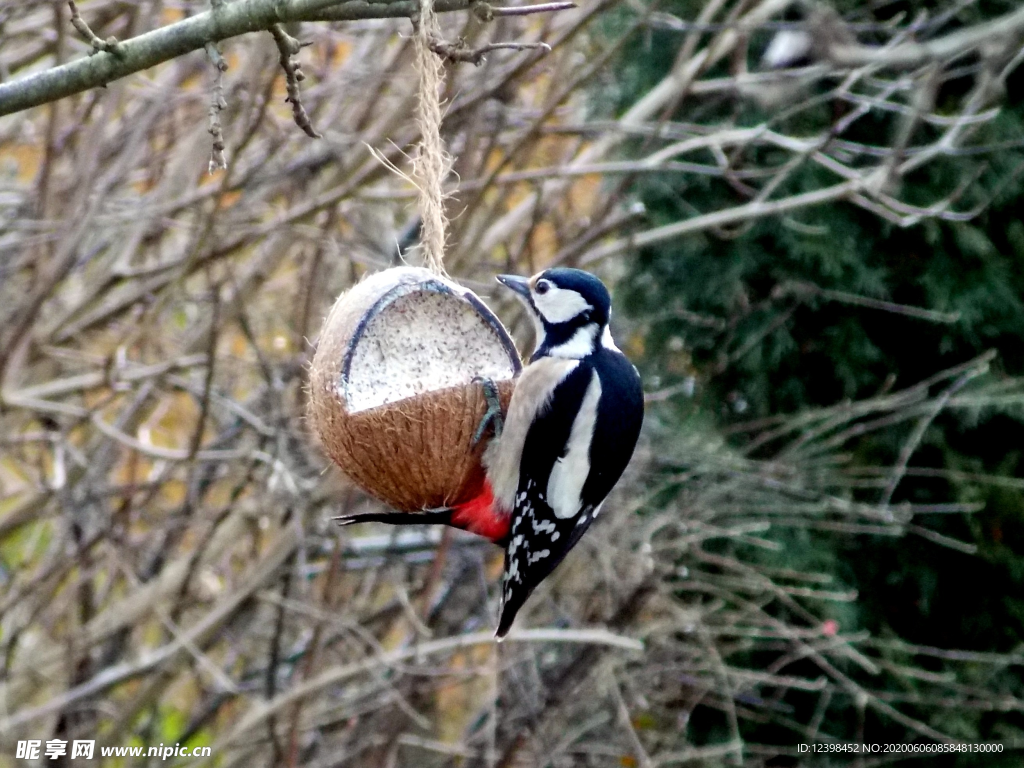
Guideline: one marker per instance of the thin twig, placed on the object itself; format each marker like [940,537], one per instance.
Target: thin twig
[979,366]
[289,48]
[844,297]
[524,10]
[217,105]
[110,45]
[458,52]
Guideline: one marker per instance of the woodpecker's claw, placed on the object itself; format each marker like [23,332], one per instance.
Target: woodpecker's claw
[493,413]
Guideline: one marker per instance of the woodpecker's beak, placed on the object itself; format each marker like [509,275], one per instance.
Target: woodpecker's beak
[518,284]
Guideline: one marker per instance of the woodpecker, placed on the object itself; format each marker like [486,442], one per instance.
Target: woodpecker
[570,431]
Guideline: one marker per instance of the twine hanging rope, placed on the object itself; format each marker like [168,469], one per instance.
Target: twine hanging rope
[431,163]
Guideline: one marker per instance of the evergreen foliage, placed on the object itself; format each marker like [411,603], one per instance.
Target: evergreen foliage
[794,313]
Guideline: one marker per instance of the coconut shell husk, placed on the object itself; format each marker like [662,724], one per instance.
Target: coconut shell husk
[392,397]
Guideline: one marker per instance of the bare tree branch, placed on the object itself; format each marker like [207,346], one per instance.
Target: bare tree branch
[1004,32]
[192,34]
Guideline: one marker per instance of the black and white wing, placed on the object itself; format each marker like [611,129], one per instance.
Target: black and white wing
[574,452]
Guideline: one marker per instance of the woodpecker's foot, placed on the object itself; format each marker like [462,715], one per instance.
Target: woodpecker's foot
[493,414]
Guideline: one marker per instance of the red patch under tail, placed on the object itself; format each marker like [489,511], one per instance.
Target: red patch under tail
[479,516]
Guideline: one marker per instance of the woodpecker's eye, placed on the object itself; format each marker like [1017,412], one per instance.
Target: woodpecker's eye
[542,287]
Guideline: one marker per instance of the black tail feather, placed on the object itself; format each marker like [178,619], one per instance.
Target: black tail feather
[433,517]
[512,601]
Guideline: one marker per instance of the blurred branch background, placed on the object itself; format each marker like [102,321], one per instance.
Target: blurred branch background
[810,215]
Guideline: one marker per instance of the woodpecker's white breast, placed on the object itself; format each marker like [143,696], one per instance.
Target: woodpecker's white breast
[565,485]
[533,392]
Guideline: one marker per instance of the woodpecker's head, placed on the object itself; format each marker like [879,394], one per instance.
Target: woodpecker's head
[569,308]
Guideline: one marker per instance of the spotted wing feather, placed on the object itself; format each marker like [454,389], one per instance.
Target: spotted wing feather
[538,542]
[539,539]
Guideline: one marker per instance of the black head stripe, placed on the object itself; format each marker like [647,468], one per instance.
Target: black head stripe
[594,297]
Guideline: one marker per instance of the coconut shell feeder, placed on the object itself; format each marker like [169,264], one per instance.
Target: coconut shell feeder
[392,392]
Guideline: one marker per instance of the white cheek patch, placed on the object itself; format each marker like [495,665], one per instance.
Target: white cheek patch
[560,304]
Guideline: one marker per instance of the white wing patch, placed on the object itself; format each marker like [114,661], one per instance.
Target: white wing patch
[565,485]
